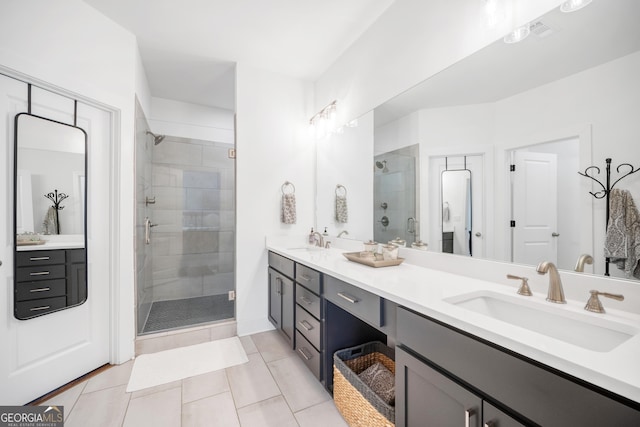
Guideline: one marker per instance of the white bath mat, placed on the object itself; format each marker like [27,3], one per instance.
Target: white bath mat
[153,369]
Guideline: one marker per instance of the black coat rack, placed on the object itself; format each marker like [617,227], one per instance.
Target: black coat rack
[606,190]
[56,198]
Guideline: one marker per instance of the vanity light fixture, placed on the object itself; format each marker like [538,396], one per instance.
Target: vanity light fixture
[573,5]
[324,120]
[518,34]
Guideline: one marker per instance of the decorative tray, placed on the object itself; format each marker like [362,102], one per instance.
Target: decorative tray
[31,242]
[372,262]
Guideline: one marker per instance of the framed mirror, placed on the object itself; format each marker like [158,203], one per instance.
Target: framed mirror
[456,217]
[575,81]
[50,216]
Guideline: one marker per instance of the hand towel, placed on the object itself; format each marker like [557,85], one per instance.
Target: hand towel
[341,209]
[51,221]
[288,211]
[622,242]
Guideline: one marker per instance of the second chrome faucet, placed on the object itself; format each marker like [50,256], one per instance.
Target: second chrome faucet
[555,293]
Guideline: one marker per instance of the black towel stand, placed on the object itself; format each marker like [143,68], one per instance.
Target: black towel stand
[606,190]
[56,198]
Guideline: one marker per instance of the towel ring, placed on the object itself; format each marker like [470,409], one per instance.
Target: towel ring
[286,185]
[338,187]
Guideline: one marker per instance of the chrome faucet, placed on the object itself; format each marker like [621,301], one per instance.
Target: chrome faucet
[343,232]
[584,259]
[318,238]
[555,292]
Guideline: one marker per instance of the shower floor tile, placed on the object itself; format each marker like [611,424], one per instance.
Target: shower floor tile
[188,312]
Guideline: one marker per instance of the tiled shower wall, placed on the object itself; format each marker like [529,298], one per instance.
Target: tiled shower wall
[193,243]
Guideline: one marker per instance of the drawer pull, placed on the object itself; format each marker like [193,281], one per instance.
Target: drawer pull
[39,273]
[39,290]
[489,424]
[304,354]
[44,307]
[306,300]
[306,325]
[352,300]
[39,258]
[305,277]
[467,417]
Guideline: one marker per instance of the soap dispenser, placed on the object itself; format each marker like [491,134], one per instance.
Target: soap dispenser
[326,233]
[312,238]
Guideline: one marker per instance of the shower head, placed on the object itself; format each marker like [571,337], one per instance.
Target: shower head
[382,165]
[157,139]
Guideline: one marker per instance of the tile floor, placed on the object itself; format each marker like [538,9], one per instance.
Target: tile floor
[273,389]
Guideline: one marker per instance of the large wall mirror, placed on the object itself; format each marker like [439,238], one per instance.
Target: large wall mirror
[527,117]
[50,216]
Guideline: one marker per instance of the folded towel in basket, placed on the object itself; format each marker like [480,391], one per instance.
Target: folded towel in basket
[342,214]
[381,381]
[288,211]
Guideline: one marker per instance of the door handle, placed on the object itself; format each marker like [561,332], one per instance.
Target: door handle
[147,230]
[554,234]
[478,234]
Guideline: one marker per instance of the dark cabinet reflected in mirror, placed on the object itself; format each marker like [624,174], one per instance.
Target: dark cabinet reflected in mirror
[49,217]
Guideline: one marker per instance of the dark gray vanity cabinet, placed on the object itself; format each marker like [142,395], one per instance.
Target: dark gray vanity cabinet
[433,358]
[281,295]
[49,280]
[308,343]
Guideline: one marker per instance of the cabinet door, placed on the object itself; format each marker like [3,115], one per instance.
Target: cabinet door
[288,308]
[424,397]
[494,417]
[275,300]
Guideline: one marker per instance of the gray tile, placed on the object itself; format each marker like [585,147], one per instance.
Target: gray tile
[103,408]
[114,376]
[272,345]
[68,398]
[251,382]
[321,415]
[151,390]
[273,412]
[205,385]
[249,346]
[297,383]
[217,410]
[155,410]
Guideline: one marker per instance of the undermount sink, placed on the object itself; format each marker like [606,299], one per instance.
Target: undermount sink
[583,330]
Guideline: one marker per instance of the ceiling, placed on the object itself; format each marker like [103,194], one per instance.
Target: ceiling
[599,33]
[189,47]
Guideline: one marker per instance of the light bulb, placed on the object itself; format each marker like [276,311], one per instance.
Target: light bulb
[518,34]
[573,5]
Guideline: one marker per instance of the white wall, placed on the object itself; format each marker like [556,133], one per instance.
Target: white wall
[176,118]
[336,166]
[67,45]
[411,41]
[273,146]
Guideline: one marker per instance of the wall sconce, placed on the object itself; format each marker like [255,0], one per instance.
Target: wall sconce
[323,122]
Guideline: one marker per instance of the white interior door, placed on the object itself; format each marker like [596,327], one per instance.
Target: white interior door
[44,353]
[535,207]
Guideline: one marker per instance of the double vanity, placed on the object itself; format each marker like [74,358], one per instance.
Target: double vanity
[467,350]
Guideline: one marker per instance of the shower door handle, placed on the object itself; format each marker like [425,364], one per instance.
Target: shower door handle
[147,230]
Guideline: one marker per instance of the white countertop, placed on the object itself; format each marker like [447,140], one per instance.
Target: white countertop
[57,241]
[424,290]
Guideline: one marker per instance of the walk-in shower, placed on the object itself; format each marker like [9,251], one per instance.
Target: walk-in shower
[185,243]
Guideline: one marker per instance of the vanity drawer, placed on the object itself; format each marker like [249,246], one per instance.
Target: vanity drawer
[308,326]
[46,272]
[34,258]
[309,355]
[282,264]
[42,289]
[308,300]
[27,309]
[360,303]
[309,278]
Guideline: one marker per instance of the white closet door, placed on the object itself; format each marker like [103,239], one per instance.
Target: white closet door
[44,353]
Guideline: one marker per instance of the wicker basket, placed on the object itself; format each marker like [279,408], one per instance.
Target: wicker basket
[359,405]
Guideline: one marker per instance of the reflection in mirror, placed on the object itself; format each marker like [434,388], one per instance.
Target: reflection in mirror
[578,80]
[456,212]
[395,189]
[50,181]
